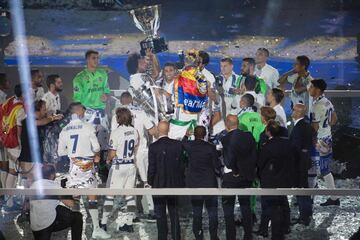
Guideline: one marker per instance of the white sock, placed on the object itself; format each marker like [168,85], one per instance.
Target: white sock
[3,176]
[330,183]
[10,183]
[94,213]
[105,217]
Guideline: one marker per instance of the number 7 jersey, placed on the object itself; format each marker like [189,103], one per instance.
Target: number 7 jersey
[321,112]
[78,139]
[123,140]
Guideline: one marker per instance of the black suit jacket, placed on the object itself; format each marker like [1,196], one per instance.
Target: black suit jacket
[203,164]
[264,138]
[301,139]
[166,166]
[239,151]
[276,164]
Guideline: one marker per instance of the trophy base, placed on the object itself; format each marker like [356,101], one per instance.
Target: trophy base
[157,45]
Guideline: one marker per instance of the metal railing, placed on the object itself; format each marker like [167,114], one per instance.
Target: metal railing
[185,191]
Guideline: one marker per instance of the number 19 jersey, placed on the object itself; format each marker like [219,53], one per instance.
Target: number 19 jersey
[123,140]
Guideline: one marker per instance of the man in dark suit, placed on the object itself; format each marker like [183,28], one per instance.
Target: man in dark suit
[203,167]
[301,139]
[239,152]
[166,170]
[275,167]
[267,114]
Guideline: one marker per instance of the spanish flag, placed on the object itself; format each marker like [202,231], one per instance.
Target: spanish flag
[190,93]
[8,128]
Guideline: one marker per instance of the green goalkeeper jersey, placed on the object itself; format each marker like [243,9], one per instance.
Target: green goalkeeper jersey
[251,122]
[90,86]
[260,84]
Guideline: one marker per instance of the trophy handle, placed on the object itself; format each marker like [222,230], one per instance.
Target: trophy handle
[156,22]
[156,109]
[136,21]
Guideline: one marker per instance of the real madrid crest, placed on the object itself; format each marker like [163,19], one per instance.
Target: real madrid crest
[202,86]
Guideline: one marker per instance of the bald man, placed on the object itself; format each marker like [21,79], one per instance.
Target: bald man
[239,152]
[203,168]
[301,139]
[166,170]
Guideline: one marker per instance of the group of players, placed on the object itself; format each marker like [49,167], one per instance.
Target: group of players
[132,128]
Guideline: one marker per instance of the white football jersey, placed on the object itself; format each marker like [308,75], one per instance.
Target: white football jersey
[53,103]
[321,112]
[78,139]
[141,122]
[123,140]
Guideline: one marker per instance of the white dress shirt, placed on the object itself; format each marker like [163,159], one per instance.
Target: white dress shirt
[43,212]
[269,74]
[280,115]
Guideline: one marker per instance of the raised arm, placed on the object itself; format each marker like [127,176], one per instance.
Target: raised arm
[284,78]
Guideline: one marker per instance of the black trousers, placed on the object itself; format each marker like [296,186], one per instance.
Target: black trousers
[160,204]
[266,213]
[228,202]
[211,204]
[305,207]
[278,210]
[65,218]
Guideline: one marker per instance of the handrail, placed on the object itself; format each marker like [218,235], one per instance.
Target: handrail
[183,191]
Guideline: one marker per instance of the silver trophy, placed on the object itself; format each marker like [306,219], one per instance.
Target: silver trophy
[147,98]
[147,20]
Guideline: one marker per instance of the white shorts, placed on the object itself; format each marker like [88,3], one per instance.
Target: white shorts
[142,162]
[82,175]
[121,176]
[12,155]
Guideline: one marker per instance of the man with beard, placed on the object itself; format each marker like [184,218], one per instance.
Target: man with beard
[248,70]
[52,97]
[166,82]
[53,106]
[204,61]
[138,66]
[37,78]
[191,90]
